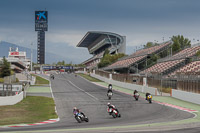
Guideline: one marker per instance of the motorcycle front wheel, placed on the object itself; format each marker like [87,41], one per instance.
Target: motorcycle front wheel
[114,115]
[150,101]
[78,119]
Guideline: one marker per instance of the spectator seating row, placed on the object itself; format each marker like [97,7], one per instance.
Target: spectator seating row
[136,57]
[161,67]
[188,52]
[150,50]
[191,68]
[125,62]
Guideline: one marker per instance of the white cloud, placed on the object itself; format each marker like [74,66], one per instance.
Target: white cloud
[16,36]
[69,37]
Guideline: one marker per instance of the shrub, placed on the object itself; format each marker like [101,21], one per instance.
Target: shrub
[1,80]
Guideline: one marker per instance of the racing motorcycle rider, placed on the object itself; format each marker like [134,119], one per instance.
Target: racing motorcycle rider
[135,91]
[75,110]
[147,94]
[110,88]
[112,106]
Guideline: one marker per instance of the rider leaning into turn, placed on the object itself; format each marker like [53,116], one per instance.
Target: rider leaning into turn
[135,91]
[147,94]
[112,106]
[75,110]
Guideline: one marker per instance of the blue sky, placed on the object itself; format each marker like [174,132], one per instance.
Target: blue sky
[139,20]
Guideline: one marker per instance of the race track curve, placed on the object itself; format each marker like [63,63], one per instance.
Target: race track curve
[70,91]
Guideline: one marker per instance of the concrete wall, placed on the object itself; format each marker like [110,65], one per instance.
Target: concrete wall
[186,96]
[32,82]
[140,88]
[11,100]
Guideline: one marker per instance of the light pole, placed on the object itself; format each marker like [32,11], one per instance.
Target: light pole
[31,56]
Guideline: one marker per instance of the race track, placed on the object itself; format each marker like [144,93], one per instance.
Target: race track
[70,91]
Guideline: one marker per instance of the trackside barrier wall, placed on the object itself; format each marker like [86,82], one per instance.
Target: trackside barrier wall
[11,100]
[186,96]
[130,86]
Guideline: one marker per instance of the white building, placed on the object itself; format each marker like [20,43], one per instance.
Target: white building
[18,60]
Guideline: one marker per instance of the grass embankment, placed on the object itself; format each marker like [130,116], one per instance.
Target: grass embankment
[40,80]
[32,109]
[88,77]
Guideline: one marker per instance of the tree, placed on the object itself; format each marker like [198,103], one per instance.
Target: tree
[176,46]
[148,45]
[106,52]
[198,53]
[109,59]
[180,43]
[62,63]
[5,70]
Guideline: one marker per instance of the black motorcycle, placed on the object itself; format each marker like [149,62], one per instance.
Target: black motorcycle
[109,94]
[80,117]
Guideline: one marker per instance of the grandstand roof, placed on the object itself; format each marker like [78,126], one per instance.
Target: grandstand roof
[91,36]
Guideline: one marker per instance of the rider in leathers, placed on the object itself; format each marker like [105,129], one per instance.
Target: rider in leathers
[135,91]
[75,110]
[147,94]
[109,88]
[112,106]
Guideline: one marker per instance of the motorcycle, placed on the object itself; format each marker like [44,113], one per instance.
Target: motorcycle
[114,112]
[149,98]
[80,117]
[52,76]
[109,94]
[136,96]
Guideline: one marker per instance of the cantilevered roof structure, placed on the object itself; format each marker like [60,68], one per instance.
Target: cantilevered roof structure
[98,41]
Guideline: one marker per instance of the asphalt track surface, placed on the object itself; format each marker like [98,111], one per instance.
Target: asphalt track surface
[70,91]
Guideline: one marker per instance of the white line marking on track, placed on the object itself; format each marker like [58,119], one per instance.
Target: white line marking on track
[83,91]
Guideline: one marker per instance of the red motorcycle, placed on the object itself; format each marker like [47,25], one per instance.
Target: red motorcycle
[114,112]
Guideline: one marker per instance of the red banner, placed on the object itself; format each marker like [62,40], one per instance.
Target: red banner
[14,53]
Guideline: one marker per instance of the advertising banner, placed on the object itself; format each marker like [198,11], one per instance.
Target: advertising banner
[41,20]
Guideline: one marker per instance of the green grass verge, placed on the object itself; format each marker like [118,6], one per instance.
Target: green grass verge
[40,80]
[32,109]
[38,89]
[88,77]
[1,80]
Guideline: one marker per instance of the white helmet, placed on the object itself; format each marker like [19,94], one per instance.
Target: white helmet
[108,104]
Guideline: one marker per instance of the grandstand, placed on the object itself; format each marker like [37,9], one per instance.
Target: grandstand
[18,60]
[133,62]
[169,65]
[97,42]
[193,68]
[163,66]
